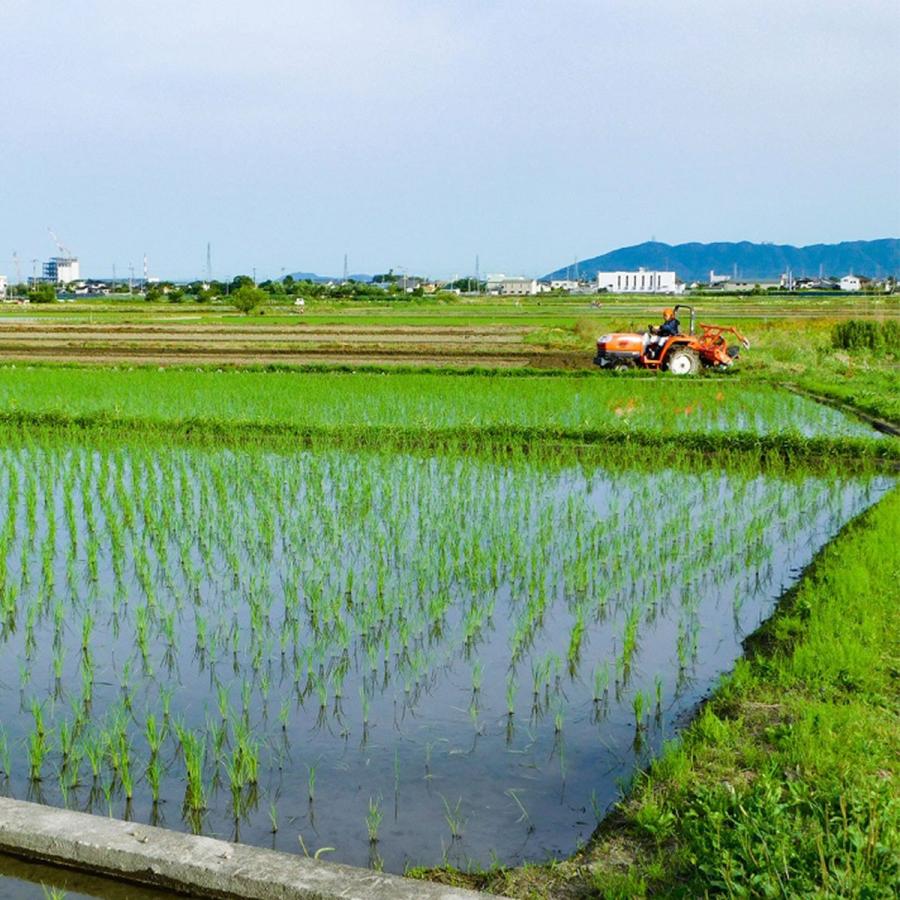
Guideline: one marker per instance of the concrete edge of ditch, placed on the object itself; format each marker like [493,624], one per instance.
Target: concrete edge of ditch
[191,864]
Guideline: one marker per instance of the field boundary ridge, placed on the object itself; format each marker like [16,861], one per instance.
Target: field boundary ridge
[192,864]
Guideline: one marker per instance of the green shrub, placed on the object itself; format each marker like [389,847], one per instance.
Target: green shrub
[879,338]
[42,293]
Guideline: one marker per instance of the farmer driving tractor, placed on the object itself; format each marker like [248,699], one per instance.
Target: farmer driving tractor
[661,333]
[665,347]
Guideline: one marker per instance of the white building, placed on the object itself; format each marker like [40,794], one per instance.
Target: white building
[512,286]
[4,285]
[564,284]
[62,269]
[850,283]
[640,282]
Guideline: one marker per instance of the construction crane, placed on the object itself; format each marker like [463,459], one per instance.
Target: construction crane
[64,251]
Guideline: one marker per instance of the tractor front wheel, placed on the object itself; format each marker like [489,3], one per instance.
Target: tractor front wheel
[683,362]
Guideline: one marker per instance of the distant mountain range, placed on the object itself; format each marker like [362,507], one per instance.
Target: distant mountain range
[325,279]
[764,262]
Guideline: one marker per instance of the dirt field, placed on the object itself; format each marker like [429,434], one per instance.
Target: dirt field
[163,344]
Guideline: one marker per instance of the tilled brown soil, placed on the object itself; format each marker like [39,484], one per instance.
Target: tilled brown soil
[492,346]
[357,358]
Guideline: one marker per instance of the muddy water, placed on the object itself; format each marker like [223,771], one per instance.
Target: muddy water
[21,880]
[453,646]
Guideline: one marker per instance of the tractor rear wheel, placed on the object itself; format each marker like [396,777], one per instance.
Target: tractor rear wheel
[683,362]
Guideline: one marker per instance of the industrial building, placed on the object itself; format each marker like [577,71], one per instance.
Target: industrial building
[640,282]
[62,269]
[512,286]
[4,287]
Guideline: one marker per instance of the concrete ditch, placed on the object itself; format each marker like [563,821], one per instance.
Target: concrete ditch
[194,865]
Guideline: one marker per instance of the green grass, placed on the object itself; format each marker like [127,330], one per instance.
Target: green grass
[544,311]
[875,391]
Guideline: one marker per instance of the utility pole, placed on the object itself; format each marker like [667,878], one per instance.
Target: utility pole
[346,269]
[130,278]
[144,279]
[18,266]
[208,262]
[254,276]
[477,274]
[34,263]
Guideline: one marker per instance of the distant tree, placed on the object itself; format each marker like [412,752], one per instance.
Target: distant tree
[42,293]
[247,297]
[240,281]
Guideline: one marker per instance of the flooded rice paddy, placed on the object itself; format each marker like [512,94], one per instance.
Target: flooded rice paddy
[403,658]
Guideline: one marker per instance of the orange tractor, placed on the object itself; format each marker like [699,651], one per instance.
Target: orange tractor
[680,354]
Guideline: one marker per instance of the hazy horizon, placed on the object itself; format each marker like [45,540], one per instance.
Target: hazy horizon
[417,135]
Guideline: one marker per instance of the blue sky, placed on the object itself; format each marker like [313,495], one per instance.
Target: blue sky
[417,134]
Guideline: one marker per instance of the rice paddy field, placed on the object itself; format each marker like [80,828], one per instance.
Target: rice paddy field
[407,620]
[449,655]
[419,403]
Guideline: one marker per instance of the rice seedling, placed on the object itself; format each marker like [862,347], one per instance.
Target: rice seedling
[373,819]
[524,817]
[455,822]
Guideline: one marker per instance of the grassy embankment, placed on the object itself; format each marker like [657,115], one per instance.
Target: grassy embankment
[786,783]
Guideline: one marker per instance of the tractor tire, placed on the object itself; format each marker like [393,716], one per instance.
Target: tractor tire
[682,361]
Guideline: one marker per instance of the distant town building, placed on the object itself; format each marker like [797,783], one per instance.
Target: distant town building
[4,285]
[515,286]
[62,269]
[850,283]
[746,287]
[564,284]
[715,279]
[640,282]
